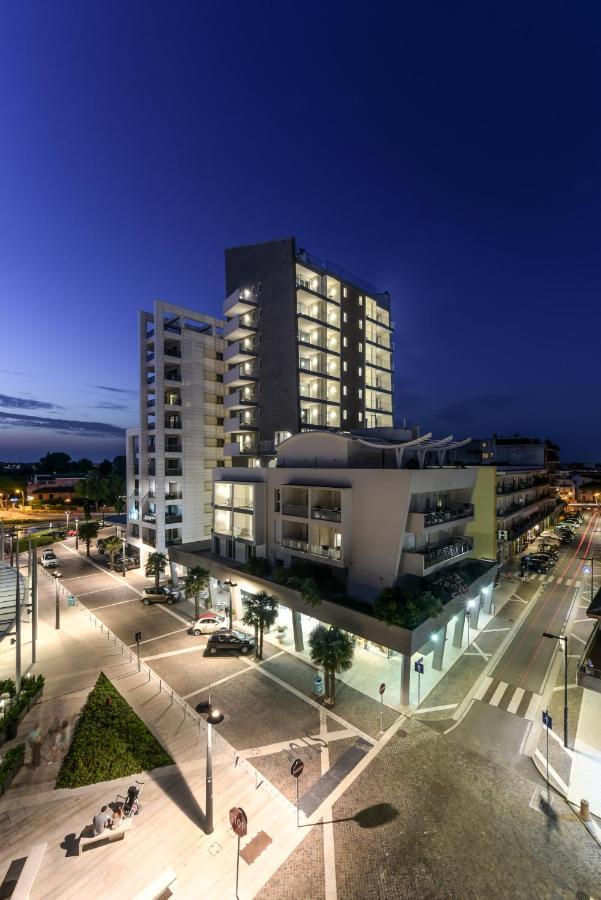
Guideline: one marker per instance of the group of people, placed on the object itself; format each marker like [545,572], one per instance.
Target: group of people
[59,736]
[107,818]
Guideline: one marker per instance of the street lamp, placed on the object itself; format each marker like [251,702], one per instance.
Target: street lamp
[102,526]
[123,549]
[215,717]
[57,608]
[564,638]
[76,533]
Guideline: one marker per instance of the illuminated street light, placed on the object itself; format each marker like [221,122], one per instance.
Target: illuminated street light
[215,717]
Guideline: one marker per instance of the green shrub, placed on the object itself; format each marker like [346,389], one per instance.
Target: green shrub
[11,761]
[110,741]
[406,608]
[30,685]
[257,566]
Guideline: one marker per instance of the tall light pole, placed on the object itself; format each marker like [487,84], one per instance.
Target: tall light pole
[76,533]
[123,549]
[34,603]
[215,717]
[564,638]
[57,606]
[18,624]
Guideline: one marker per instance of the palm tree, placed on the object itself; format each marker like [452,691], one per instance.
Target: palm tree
[87,532]
[261,612]
[155,566]
[112,545]
[196,582]
[332,649]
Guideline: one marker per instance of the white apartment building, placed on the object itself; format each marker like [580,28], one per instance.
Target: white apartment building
[179,440]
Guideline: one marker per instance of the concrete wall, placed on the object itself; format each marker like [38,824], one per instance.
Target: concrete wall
[484,527]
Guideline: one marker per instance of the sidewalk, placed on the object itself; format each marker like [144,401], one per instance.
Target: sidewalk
[168,833]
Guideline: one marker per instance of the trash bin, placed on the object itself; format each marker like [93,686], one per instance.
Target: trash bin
[318,686]
[70,600]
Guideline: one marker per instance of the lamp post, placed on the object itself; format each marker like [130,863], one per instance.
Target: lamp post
[18,624]
[76,533]
[591,560]
[57,607]
[215,717]
[123,549]
[564,638]
[102,526]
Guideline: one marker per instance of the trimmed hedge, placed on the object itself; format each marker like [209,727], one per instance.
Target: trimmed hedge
[11,763]
[110,741]
[31,685]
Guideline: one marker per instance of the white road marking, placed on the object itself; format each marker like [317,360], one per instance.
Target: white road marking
[496,697]
[582,641]
[560,687]
[173,653]
[532,707]
[516,700]
[486,682]
[428,709]
[109,605]
[576,621]
[578,583]
[519,599]
[97,591]
[268,749]
[484,655]
[227,678]
[560,579]
[159,636]
[552,771]
[490,630]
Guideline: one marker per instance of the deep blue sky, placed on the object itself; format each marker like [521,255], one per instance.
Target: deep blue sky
[447,152]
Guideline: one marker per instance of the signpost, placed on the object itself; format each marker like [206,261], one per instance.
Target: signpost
[137,639]
[467,619]
[239,823]
[382,689]
[419,668]
[296,770]
[548,723]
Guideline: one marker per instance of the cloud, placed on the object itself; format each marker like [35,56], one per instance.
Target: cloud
[24,403]
[106,404]
[103,387]
[63,426]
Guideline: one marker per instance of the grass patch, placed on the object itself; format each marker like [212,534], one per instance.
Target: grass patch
[110,741]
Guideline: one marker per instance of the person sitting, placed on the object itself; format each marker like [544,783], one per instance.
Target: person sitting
[117,817]
[101,821]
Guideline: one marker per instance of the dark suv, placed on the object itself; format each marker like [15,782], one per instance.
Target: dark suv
[163,594]
[225,640]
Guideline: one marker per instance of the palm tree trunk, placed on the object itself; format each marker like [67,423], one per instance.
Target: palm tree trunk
[256,641]
[261,627]
[197,605]
[157,575]
[333,677]
[87,546]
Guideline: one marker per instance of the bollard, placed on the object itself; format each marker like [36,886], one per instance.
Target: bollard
[108,635]
[130,655]
[585,812]
[149,676]
[160,686]
[115,640]
[171,698]
[101,628]
[121,648]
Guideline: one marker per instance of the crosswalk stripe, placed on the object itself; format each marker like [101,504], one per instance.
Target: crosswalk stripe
[486,682]
[560,579]
[515,700]
[494,700]
[531,711]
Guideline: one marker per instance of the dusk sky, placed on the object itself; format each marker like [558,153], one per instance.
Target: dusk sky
[447,152]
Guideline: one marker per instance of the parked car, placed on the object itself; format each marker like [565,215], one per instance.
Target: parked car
[49,560]
[162,594]
[226,641]
[71,532]
[539,554]
[207,623]
[130,562]
[530,564]
[548,547]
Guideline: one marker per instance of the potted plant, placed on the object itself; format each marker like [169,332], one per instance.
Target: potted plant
[281,631]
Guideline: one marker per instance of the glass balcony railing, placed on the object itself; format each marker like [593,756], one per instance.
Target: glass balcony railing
[448,514]
[291,509]
[323,551]
[327,515]
[442,553]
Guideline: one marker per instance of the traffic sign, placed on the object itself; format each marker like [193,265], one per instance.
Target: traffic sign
[382,688]
[138,637]
[419,665]
[297,767]
[547,720]
[238,821]
[586,570]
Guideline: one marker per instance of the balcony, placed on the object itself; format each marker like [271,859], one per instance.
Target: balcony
[151,402]
[323,552]
[173,422]
[240,448]
[325,515]
[319,311]
[240,301]
[172,350]
[174,495]
[418,522]
[238,376]
[169,472]
[172,520]
[173,375]
[240,351]
[150,518]
[240,327]
[239,423]
[290,509]
[432,557]
[243,534]
[239,399]
[173,542]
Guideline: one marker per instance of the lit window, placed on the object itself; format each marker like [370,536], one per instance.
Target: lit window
[360,301]
[344,317]
[344,342]
[360,371]
[345,292]
[360,394]
[360,347]
[344,366]
[344,413]
[360,416]
[344,390]
[360,323]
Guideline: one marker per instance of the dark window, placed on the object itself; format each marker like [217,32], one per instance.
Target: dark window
[219,355]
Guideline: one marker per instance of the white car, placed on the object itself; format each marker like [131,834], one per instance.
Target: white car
[49,560]
[207,623]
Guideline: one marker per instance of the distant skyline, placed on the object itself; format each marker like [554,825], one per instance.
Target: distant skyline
[448,154]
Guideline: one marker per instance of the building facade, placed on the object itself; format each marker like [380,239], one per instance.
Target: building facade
[309,347]
[171,454]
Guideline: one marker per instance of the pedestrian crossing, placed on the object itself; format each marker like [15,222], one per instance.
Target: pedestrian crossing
[551,579]
[514,700]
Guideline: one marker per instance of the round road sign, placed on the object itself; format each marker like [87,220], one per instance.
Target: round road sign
[382,688]
[238,821]
[297,767]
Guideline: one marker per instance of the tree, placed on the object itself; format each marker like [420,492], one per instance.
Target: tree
[84,465]
[119,467]
[112,545]
[87,532]
[260,613]
[155,566]
[105,467]
[196,582]
[55,463]
[406,608]
[333,650]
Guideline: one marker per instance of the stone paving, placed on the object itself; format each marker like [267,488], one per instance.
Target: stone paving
[452,825]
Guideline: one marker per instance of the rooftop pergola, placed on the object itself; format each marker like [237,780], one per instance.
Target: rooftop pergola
[422,445]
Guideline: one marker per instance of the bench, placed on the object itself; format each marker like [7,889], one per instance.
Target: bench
[29,873]
[162,886]
[108,836]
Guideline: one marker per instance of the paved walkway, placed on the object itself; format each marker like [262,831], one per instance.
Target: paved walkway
[168,832]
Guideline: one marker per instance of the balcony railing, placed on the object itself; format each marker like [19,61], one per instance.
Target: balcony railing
[173,352]
[328,515]
[175,495]
[173,375]
[244,534]
[442,553]
[149,517]
[151,401]
[451,514]
[173,472]
[173,542]
[171,520]
[320,550]
[290,509]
